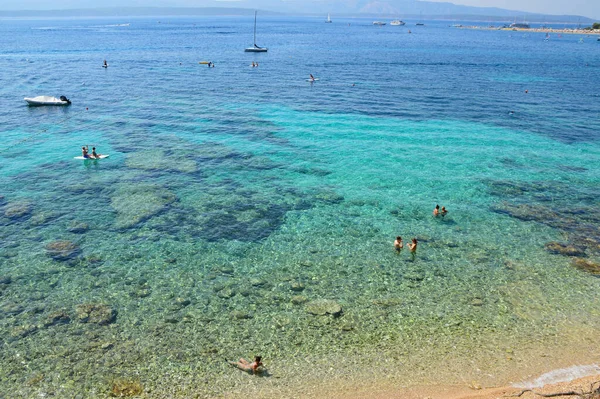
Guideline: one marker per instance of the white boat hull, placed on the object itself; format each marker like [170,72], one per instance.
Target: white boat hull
[256,50]
[45,100]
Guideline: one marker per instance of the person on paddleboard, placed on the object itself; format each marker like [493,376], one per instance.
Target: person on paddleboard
[84,151]
[94,155]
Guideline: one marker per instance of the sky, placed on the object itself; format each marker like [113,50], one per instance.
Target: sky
[588,8]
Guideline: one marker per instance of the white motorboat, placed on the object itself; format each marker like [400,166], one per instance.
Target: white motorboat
[47,100]
[255,48]
[378,23]
[397,22]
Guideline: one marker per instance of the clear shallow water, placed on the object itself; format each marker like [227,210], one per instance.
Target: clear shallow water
[234,194]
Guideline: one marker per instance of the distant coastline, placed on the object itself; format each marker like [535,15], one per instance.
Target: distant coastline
[577,31]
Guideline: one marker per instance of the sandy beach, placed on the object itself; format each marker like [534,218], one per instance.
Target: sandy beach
[465,392]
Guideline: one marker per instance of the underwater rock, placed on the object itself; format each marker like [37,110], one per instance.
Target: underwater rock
[182,302]
[94,259]
[38,219]
[226,293]
[23,331]
[587,266]
[322,307]
[107,346]
[563,249]
[524,212]
[312,171]
[299,299]
[240,315]
[297,286]
[78,227]
[256,282]
[140,293]
[124,388]
[228,270]
[62,250]
[329,197]
[11,308]
[157,160]
[5,280]
[17,210]
[477,302]
[57,318]
[414,276]
[139,202]
[95,313]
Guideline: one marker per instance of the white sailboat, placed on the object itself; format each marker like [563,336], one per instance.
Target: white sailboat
[328,19]
[255,48]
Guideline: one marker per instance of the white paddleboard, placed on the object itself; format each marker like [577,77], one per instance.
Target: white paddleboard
[312,80]
[105,66]
[91,159]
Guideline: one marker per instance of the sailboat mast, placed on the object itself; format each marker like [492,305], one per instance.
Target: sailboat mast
[255,27]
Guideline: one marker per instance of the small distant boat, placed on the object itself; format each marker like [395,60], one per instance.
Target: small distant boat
[255,48]
[47,100]
[519,25]
[328,20]
[420,24]
[378,23]
[397,22]
[457,26]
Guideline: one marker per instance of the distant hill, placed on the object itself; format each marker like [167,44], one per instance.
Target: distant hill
[406,9]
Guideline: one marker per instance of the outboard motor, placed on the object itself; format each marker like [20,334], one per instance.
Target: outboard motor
[63,98]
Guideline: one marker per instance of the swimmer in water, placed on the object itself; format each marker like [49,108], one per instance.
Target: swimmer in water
[436,211]
[245,365]
[413,249]
[398,244]
[444,212]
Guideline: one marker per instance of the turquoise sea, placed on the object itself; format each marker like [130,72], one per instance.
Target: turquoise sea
[245,211]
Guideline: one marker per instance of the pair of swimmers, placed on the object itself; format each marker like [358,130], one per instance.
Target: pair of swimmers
[437,212]
[412,246]
[254,64]
[86,154]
